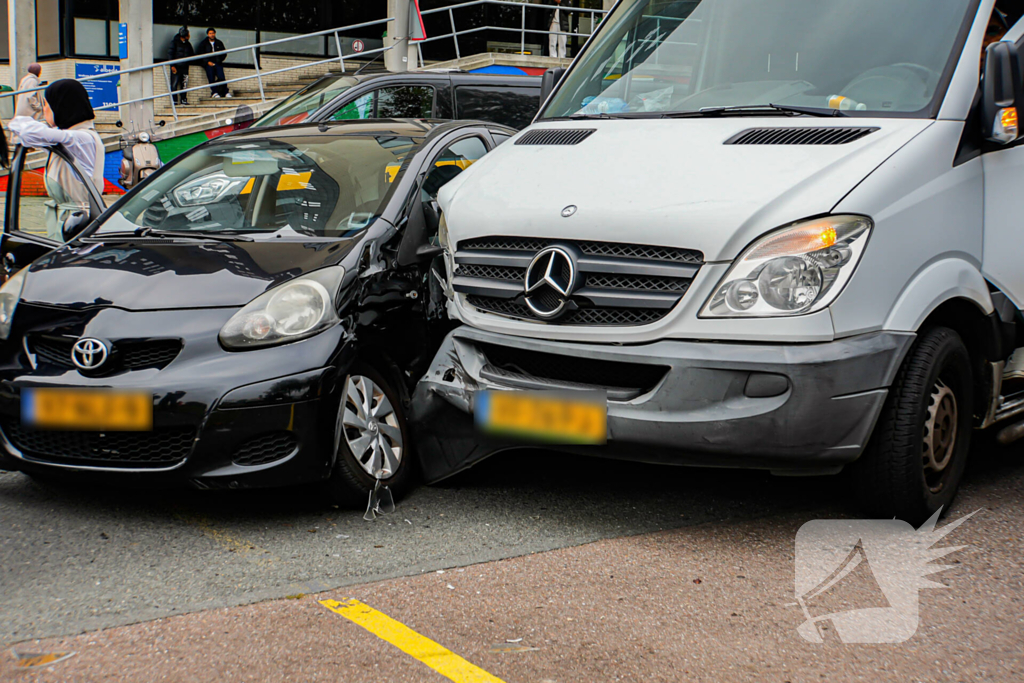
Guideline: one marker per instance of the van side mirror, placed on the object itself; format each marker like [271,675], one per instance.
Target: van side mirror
[548,82]
[1001,95]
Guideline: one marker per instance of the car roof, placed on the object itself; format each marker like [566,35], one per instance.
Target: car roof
[413,128]
[433,74]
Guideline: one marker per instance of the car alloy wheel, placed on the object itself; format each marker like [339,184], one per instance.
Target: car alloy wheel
[370,427]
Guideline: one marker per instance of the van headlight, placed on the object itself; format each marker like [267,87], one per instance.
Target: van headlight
[796,270]
[298,309]
[10,295]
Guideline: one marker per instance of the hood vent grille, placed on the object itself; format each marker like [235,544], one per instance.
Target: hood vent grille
[553,136]
[799,136]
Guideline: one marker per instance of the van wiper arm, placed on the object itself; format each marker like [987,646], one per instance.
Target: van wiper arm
[754,109]
[181,234]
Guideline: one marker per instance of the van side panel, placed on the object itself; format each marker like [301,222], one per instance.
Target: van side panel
[925,211]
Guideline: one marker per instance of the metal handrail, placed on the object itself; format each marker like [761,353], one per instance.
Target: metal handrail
[259,74]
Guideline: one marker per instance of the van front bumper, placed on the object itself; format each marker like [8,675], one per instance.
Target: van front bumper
[790,408]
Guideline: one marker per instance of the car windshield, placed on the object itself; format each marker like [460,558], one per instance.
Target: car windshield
[289,186]
[884,57]
[299,106]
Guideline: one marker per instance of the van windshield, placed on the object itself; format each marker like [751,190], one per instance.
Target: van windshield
[885,57]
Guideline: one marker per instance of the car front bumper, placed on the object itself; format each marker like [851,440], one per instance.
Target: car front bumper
[221,419]
[790,408]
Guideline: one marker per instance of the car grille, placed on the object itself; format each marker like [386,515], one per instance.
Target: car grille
[510,365]
[161,447]
[55,352]
[616,285]
[266,449]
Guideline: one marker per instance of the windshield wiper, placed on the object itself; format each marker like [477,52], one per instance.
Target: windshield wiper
[755,109]
[607,115]
[181,234]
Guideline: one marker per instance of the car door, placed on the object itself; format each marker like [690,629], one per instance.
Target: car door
[24,237]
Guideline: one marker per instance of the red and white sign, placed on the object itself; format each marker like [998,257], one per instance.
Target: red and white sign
[417,31]
[358,45]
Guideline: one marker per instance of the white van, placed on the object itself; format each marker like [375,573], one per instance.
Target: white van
[782,235]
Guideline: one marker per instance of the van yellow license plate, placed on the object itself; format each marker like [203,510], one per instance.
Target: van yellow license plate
[87,409]
[551,416]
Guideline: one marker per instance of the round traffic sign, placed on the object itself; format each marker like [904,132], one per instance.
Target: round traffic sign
[358,46]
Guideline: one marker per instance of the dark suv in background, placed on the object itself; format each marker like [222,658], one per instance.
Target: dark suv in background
[508,100]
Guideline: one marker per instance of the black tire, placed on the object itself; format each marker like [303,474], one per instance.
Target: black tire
[349,483]
[897,475]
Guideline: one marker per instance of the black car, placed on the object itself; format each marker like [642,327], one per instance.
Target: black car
[253,314]
[505,99]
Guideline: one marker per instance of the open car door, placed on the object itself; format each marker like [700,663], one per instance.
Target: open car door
[24,237]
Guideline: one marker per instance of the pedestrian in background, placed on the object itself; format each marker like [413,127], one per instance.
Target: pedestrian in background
[30,104]
[557,22]
[212,52]
[180,48]
[67,110]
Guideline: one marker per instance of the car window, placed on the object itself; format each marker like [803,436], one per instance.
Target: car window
[289,186]
[298,107]
[499,137]
[455,159]
[45,216]
[513,107]
[359,108]
[416,102]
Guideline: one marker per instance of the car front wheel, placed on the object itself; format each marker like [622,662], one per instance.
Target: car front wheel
[916,457]
[371,440]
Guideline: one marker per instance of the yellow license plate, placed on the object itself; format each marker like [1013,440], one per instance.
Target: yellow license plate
[554,417]
[87,409]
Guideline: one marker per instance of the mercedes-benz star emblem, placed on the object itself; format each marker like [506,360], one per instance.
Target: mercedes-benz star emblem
[89,354]
[568,211]
[550,280]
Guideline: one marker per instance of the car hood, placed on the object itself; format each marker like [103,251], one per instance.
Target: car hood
[150,274]
[670,182]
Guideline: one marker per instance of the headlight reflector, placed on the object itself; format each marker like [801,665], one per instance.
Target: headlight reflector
[295,310]
[208,189]
[799,269]
[10,295]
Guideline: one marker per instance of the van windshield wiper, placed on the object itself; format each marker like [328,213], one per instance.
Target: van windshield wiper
[180,234]
[755,109]
[607,115]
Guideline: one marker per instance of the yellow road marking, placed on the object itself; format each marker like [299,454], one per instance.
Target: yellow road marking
[438,658]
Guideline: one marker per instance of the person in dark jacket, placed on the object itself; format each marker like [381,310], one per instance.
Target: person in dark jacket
[211,51]
[556,19]
[180,48]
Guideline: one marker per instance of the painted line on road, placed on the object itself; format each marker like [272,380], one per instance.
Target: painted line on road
[438,658]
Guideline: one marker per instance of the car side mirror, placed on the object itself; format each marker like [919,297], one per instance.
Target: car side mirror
[1001,94]
[74,224]
[548,82]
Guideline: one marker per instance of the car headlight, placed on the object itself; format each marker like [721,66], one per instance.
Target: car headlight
[208,189]
[793,271]
[442,232]
[298,309]
[10,295]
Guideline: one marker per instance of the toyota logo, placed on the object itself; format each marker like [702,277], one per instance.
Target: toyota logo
[89,354]
[550,280]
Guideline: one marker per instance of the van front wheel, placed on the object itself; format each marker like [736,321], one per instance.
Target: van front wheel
[916,456]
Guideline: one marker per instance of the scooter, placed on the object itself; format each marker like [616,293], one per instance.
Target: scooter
[141,158]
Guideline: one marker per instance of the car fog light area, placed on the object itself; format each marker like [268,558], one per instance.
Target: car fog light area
[295,310]
[796,270]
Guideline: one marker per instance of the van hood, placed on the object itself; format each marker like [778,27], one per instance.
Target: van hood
[150,275]
[669,182]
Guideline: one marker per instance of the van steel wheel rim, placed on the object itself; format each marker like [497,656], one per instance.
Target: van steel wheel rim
[370,427]
[939,441]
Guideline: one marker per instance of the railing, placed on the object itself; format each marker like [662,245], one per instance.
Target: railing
[259,74]
[522,30]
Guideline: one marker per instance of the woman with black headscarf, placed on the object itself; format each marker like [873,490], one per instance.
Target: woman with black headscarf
[67,109]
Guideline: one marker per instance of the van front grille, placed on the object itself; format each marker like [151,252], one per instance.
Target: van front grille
[614,285]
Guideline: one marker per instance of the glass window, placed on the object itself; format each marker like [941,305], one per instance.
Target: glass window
[514,107]
[451,162]
[90,37]
[299,106]
[361,108]
[281,187]
[416,102]
[671,56]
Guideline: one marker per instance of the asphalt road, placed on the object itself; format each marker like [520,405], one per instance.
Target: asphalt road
[74,559]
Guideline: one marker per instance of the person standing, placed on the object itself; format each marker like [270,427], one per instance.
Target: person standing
[180,48]
[67,110]
[30,104]
[212,52]
[557,22]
